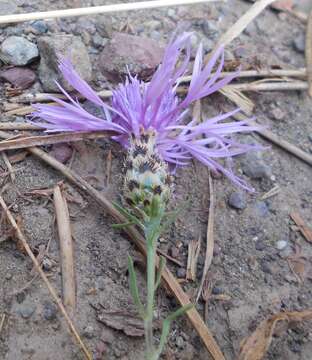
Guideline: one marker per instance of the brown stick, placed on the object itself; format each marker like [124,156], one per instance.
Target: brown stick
[31,141]
[272,86]
[267,134]
[23,240]
[308,52]
[19,126]
[305,231]
[66,250]
[139,241]
[209,236]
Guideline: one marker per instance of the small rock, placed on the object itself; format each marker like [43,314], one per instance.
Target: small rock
[237,200]
[8,276]
[210,29]
[266,267]
[107,336]
[299,43]
[254,166]
[240,52]
[20,77]
[140,54]
[174,252]
[61,152]
[68,46]
[216,290]
[27,310]
[20,297]
[181,273]
[281,244]
[40,26]
[260,209]
[98,41]
[171,13]
[16,50]
[260,245]
[153,25]
[180,342]
[101,283]
[47,264]
[89,332]
[277,113]
[49,310]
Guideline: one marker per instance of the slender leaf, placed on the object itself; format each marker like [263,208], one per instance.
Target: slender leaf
[167,323]
[121,226]
[134,288]
[128,215]
[162,264]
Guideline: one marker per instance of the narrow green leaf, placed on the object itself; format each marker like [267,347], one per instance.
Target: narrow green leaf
[162,264]
[167,323]
[128,215]
[134,288]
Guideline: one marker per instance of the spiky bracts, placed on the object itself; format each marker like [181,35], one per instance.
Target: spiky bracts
[147,178]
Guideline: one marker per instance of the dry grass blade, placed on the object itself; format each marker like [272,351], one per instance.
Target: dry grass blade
[9,166]
[241,24]
[268,135]
[31,141]
[67,250]
[257,344]
[210,238]
[27,248]
[238,98]
[93,10]
[139,241]
[274,191]
[21,111]
[308,52]
[192,258]
[271,86]
[305,231]
[3,317]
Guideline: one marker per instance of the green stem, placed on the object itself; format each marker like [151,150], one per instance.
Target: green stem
[148,324]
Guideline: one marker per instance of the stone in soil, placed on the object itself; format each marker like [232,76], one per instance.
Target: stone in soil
[299,43]
[237,200]
[281,244]
[22,78]
[26,310]
[89,332]
[16,50]
[49,310]
[68,46]
[140,54]
[61,152]
[254,167]
[39,26]
[181,273]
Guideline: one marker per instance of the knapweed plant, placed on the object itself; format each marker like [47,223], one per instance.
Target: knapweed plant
[150,121]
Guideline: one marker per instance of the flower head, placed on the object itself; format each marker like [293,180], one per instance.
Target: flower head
[138,108]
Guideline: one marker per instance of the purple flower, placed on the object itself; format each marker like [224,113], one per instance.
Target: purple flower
[137,105]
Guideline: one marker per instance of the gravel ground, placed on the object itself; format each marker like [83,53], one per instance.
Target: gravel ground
[254,238]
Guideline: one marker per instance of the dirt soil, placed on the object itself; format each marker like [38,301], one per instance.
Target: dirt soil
[254,245]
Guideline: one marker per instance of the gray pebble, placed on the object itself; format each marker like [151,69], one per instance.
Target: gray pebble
[89,332]
[40,26]
[180,342]
[299,43]
[49,311]
[181,273]
[281,244]
[260,209]
[27,310]
[254,166]
[237,200]
[260,245]
[16,50]
[216,290]
[209,27]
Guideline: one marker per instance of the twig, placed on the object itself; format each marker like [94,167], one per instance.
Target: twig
[138,240]
[105,9]
[264,73]
[18,126]
[170,258]
[21,111]
[66,248]
[308,52]
[210,237]
[305,231]
[30,141]
[3,317]
[268,135]
[270,86]
[9,166]
[27,248]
